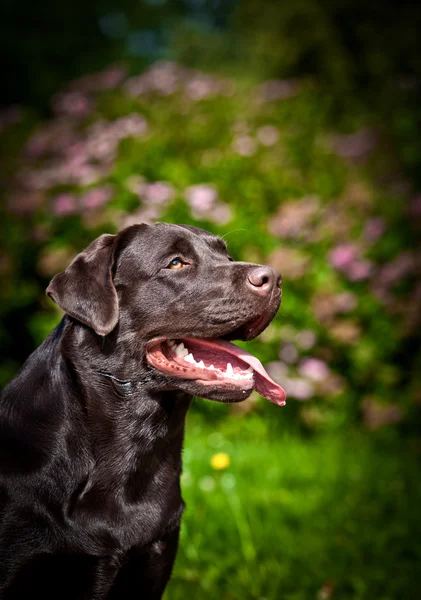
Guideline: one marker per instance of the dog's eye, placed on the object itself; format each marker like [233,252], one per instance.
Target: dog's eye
[176,263]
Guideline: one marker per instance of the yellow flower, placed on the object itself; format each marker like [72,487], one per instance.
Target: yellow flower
[220,461]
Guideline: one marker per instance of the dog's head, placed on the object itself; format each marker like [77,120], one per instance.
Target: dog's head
[177,296]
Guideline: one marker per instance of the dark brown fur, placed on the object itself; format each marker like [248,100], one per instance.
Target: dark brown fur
[91,435]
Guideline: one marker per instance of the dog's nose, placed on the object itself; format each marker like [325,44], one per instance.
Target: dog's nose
[262,280]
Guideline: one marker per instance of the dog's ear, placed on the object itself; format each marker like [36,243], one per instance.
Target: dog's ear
[85,290]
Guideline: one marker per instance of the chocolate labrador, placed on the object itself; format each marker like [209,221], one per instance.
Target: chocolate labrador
[91,429]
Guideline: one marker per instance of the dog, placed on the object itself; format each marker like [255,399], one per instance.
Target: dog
[91,429]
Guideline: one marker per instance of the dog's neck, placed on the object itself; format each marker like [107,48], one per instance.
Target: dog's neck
[133,432]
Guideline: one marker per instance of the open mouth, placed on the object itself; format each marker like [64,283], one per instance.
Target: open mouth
[216,362]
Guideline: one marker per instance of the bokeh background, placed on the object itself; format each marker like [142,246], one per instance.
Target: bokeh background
[291,128]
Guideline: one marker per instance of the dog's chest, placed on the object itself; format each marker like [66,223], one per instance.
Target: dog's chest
[158,511]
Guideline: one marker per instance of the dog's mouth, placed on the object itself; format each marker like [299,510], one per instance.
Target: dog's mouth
[213,362]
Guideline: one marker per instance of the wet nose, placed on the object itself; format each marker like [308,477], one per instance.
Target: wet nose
[262,280]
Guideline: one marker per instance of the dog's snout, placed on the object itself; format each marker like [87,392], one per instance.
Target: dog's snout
[262,280]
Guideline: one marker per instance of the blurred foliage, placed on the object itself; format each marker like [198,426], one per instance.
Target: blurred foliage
[291,130]
[259,164]
[366,55]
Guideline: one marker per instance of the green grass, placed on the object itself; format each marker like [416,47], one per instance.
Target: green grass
[295,517]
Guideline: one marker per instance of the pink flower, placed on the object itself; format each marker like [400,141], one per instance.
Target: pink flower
[267,135]
[244,145]
[102,148]
[96,197]
[343,256]
[74,161]
[374,229]
[203,201]
[346,258]
[295,219]
[112,77]
[35,180]
[402,266]
[220,214]
[356,145]
[158,192]
[162,77]
[314,369]
[64,204]
[201,86]
[52,138]
[300,389]
[103,80]
[73,104]
[201,198]
[132,125]
[306,339]
[288,353]
[360,270]
[135,86]
[277,370]
[150,214]
[83,175]
[345,302]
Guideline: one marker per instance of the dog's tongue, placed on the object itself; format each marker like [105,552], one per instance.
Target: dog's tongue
[263,383]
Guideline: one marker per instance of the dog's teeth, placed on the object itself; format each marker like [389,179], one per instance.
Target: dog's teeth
[189,358]
[171,343]
[185,353]
[229,370]
[179,350]
[201,364]
[212,368]
[249,371]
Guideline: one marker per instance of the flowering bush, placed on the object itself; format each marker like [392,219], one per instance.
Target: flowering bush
[257,164]
[263,166]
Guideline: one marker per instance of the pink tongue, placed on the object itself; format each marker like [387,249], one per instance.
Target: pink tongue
[264,384]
